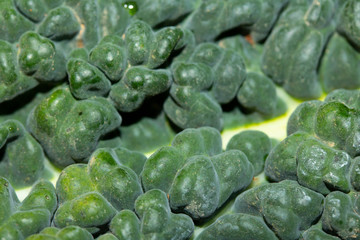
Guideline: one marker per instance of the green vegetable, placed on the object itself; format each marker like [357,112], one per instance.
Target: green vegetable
[109,56]
[69,129]
[71,23]
[282,210]
[14,23]
[130,62]
[22,161]
[340,65]
[39,58]
[189,108]
[258,93]
[333,121]
[213,17]
[316,233]
[86,80]
[286,207]
[347,97]
[22,67]
[149,50]
[148,134]
[250,52]
[318,154]
[156,221]
[302,118]
[13,81]
[321,168]
[228,71]
[21,219]
[354,174]
[66,233]
[348,21]
[320,159]
[59,23]
[107,236]
[159,11]
[270,11]
[209,76]
[197,176]
[341,215]
[238,226]
[68,67]
[294,48]
[312,163]
[138,84]
[36,10]
[281,161]
[90,195]
[255,144]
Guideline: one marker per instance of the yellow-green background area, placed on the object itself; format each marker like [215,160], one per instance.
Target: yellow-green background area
[275,128]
